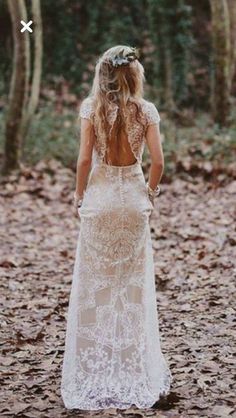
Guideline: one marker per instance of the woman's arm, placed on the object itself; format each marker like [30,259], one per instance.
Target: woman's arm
[85,156]
[153,139]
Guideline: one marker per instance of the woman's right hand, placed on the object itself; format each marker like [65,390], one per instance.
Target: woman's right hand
[76,211]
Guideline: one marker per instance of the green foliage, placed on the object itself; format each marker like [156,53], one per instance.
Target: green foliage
[53,135]
[170,24]
[77,33]
[56,135]
[203,142]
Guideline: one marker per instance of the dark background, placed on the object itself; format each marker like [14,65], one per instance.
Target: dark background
[176,43]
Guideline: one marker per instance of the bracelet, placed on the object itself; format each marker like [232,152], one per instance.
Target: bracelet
[77,201]
[151,192]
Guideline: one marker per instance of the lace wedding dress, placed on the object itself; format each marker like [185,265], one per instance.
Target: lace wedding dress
[112,353]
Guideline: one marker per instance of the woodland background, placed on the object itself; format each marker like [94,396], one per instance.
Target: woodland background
[188,51]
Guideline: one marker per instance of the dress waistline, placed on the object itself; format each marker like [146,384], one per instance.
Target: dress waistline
[136,167]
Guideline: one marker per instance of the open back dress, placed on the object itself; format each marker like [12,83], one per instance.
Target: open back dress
[113,357]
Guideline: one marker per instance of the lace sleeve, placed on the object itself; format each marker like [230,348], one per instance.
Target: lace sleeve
[152,114]
[86,109]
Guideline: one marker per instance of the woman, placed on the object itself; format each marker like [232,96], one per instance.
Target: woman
[112,351]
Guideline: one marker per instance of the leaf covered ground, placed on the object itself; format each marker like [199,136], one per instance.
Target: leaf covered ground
[194,241]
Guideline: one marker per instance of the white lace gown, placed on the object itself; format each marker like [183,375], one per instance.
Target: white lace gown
[112,353]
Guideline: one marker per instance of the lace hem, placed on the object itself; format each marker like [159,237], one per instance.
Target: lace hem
[95,395]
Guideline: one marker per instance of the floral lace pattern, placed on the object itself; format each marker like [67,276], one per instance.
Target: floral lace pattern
[112,354]
[135,129]
[86,108]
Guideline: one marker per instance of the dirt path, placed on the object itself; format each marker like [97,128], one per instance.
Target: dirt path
[194,238]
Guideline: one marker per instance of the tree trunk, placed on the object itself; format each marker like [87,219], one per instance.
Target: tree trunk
[232,15]
[37,68]
[161,35]
[221,61]
[18,88]
[165,39]
[168,87]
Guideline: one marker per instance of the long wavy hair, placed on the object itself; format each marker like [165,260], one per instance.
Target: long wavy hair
[119,85]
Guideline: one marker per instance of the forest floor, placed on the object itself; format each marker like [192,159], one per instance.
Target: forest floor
[194,242]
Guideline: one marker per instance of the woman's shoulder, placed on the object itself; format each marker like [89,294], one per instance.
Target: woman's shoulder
[151,112]
[86,107]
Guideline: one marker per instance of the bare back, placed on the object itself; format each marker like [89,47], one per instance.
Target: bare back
[119,152]
[126,143]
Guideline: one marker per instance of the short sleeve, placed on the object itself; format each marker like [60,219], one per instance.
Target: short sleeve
[152,114]
[86,108]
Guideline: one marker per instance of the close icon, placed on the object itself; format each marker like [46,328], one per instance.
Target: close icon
[26,26]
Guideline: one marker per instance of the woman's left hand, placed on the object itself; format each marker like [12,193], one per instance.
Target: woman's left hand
[76,212]
[76,204]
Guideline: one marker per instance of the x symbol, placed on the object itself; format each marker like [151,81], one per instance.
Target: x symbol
[26,26]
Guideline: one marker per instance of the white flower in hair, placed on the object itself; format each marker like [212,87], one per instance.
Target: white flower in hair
[122,59]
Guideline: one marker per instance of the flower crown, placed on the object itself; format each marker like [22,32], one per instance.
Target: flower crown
[121,59]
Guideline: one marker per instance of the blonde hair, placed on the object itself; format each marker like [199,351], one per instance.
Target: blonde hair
[117,85]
